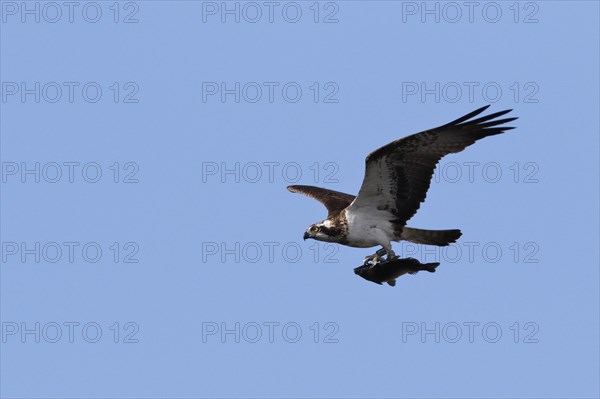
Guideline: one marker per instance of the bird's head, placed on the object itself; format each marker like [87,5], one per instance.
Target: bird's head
[323,231]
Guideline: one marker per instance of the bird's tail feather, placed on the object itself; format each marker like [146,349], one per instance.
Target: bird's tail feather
[430,237]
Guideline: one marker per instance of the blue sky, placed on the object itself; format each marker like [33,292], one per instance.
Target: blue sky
[150,247]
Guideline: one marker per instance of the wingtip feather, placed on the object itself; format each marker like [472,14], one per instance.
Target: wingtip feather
[468,116]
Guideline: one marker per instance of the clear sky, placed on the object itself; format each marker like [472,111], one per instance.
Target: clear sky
[150,247]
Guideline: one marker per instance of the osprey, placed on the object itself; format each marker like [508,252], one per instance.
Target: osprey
[397,177]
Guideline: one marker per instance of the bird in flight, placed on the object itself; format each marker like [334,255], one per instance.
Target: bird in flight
[397,177]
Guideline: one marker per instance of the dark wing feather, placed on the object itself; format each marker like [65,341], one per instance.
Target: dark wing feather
[398,175]
[334,201]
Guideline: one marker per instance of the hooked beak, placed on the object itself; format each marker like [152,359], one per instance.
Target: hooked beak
[306,235]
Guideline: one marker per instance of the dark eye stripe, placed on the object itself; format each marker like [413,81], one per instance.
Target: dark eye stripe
[331,231]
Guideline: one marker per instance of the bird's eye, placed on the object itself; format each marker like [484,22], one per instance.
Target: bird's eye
[314,229]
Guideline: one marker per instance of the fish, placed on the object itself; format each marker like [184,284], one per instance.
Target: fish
[389,270]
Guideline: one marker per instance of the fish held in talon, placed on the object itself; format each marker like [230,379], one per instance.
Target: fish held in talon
[389,271]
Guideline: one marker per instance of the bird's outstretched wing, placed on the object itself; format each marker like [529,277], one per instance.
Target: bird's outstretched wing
[398,175]
[334,201]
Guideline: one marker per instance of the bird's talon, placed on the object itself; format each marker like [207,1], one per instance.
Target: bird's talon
[378,257]
[372,260]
